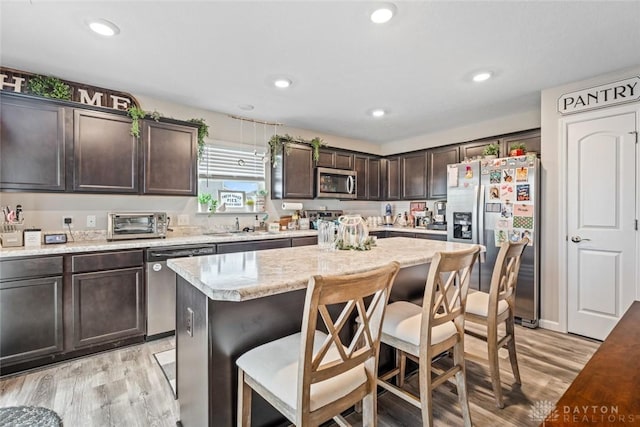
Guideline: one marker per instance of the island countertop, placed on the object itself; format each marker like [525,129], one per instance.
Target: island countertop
[249,275]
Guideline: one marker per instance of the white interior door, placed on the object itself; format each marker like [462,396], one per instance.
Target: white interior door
[601,221]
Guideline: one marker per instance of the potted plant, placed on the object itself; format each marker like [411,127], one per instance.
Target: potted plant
[213,207]
[517,149]
[205,199]
[491,151]
[250,204]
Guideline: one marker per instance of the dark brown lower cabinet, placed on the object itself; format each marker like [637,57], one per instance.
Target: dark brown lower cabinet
[258,245]
[107,306]
[304,241]
[31,323]
[441,237]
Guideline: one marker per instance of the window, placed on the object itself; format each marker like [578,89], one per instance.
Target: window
[231,169]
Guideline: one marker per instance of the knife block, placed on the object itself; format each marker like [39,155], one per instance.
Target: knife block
[11,235]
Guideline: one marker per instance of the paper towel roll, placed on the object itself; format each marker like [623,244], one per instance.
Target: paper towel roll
[291,206]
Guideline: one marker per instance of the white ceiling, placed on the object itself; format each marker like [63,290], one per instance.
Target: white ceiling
[217,55]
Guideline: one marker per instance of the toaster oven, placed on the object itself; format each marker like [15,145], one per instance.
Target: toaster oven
[136,225]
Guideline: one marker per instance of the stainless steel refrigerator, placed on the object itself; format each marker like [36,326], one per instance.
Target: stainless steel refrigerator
[489,201]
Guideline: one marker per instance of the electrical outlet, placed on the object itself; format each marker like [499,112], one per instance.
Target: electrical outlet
[91,220]
[189,323]
[67,221]
[183,219]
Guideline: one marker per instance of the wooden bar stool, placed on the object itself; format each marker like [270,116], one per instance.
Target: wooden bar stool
[311,377]
[490,310]
[422,333]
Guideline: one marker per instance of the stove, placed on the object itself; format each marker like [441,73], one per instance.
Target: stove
[325,215]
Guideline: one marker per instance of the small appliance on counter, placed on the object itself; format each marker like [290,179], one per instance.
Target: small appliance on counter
[137,225]
[327,215]
[440,216]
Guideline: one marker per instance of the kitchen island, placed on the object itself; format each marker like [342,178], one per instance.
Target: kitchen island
[228,304]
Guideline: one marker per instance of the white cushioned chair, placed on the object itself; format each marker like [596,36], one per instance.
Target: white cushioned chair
[312,377]
[491,309]
[422,333]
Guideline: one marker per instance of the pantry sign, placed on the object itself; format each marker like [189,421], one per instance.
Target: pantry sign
[18,82]
[607,95]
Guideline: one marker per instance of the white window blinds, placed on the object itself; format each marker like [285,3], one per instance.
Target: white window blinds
[230,163]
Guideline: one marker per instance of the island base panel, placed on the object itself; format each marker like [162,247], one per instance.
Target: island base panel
[224,330]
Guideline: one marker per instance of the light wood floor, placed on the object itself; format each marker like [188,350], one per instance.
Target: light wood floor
[126,387]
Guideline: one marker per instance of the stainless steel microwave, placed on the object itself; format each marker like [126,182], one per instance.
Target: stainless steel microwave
[136,225]
[335,183]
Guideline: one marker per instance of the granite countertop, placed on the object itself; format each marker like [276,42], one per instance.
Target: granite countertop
[249,275]
[103,245]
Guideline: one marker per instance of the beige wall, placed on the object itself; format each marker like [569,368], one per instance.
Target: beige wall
[506,124]
[553,249]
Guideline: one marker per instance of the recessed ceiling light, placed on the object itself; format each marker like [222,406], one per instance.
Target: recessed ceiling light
[103,27]
[383,13]
[282,83]
[378,112]
[481,77]
[246,107]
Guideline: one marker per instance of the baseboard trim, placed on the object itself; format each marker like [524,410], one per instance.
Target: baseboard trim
[551,325]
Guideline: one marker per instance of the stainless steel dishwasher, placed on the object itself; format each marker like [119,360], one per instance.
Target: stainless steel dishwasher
[161,286]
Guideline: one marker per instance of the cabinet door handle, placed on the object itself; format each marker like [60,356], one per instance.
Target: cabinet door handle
[578,239]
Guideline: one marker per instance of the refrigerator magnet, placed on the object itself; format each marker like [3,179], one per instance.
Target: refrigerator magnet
[522,174]
[495,177]
[522,193]
[507,210]
[494,192]
[507,175]
[469,172]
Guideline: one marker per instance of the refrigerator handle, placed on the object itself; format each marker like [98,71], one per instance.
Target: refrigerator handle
[480,218]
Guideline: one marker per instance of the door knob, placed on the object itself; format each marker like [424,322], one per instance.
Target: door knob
[577,239]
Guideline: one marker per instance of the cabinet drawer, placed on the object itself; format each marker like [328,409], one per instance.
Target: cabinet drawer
[441,237]
[304,241]
[227,248]
[30,267]
[106,261]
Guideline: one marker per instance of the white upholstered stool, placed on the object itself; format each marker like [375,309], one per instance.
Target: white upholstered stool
[311,376]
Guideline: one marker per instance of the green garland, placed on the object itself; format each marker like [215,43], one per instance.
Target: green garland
[203,132]
[49,87]
[278,142]
[136,114]
[316,143]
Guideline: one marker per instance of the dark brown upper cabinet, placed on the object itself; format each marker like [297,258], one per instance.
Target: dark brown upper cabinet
[169,158]
[475,149]
[375,179]
[105,154]
[52,145]
[328,158]
[531,139]
[32,144]
[292,176]
[368,177]
[414,176]
[392,178]
[438,159]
